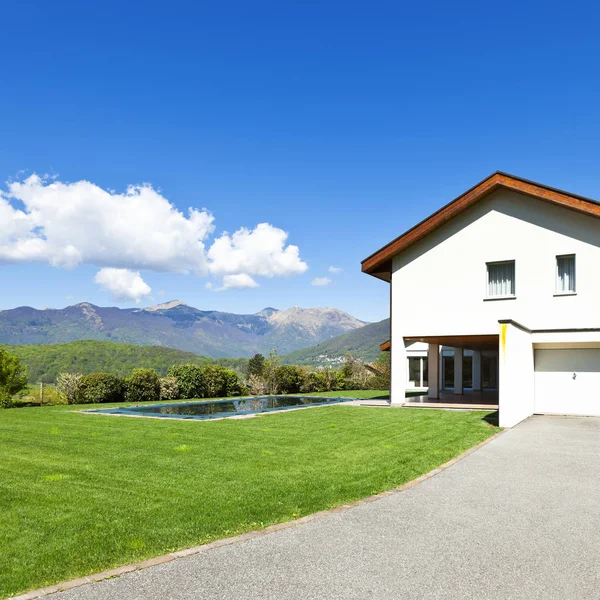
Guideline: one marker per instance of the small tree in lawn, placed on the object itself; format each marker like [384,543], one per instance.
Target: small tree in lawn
[13,377]
[256,366]
[270,372]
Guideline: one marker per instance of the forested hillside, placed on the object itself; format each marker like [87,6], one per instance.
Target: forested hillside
[362,343]
[44,362]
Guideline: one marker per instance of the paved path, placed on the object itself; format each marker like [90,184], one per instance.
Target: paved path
[519,518]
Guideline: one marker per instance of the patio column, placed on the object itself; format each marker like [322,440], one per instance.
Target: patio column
[476,370]
[433,370]
[458,370]
[399,364]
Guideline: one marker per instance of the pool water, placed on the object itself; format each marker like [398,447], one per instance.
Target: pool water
[217,409]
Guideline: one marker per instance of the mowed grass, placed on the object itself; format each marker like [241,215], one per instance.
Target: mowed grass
[83,493]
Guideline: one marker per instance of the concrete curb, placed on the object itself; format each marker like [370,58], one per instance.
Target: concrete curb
[118,571]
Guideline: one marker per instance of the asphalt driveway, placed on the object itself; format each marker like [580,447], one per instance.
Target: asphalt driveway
[519,518]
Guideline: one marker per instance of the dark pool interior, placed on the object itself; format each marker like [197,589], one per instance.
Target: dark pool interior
[222,408]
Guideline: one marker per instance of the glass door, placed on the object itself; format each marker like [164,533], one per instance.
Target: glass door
[489,372]
[448,372]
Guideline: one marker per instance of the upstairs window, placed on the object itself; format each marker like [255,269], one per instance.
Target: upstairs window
[501,279]
[565,274]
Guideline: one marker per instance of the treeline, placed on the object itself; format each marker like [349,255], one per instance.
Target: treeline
[263,376]
[269,376]
[45,362]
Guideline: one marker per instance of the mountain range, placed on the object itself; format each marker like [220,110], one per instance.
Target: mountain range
[176,325]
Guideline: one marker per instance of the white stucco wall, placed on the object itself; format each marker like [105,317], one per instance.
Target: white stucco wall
[439,284]
[516,375]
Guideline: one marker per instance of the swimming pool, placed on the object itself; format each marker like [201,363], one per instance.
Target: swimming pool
[218,409]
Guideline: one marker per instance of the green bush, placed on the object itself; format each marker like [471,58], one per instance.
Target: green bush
[6,400]
[100,387]
[143,386]
[169,388]
[190,379]
[325,380]
[312,382]
[13,377]
[288,379]
[219,381]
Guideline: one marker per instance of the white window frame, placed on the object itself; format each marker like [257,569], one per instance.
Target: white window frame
[487,280]
[557,291]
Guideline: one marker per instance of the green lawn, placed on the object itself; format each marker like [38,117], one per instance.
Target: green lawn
[83,493]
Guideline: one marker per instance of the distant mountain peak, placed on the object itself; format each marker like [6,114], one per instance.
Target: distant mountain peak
[165,305]
[267,312]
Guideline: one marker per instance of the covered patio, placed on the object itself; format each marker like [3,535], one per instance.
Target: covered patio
[470,399]
[445,393]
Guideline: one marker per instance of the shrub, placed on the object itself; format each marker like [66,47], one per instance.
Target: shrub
[169,388]
[68,386]
[100,387]
[219,381]
[190,379]
[357,376]
[288,379]
[256,386]
[143,386]
[13,377]
[312,382]
[324,380]
[5,400]
[381,381]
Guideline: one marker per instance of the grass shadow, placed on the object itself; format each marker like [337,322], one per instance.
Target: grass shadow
[492,418]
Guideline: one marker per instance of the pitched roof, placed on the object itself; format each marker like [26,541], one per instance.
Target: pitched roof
[379,263]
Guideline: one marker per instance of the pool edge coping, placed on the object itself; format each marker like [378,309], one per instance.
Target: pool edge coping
[186,552]
[336,401]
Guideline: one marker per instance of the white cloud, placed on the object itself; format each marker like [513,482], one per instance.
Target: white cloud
[335,269]
[257,252]
[240,281]
[320,281]
[69,224]
[123,284]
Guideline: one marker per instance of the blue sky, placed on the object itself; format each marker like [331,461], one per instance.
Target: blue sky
[342,124]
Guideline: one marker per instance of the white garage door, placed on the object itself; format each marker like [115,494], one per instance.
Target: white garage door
[567,381]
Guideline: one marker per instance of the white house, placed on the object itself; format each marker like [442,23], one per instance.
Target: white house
[508,273]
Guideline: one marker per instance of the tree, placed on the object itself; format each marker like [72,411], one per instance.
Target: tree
[13,377]
[256,365]
[382,380]
[270,372]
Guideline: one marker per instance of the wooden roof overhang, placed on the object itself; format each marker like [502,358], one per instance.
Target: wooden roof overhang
[379,264]
[468,342]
